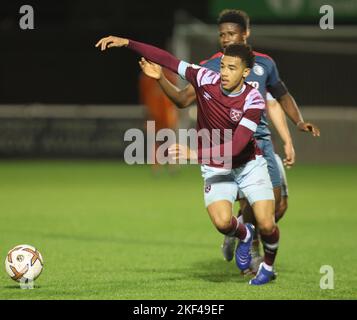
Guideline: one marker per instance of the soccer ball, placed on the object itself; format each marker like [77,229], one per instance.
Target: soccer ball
[24,263]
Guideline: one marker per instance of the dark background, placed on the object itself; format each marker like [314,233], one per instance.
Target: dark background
[56,63]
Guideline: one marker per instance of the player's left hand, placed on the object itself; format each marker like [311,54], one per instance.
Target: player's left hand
[289,155]
[111,41]
[151,69]
[178,151]
[309,127]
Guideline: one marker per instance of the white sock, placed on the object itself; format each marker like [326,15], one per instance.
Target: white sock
[240,219]
[267,267]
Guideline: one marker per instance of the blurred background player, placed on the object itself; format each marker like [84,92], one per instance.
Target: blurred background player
[285,135]
[159,109]
[234,28]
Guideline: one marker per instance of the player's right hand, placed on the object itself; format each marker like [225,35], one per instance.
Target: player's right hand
[181,152]
[289,159]
[150,69]
[110,42]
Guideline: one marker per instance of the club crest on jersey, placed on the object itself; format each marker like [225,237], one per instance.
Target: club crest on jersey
[207,188]
[258,70]
[236,115]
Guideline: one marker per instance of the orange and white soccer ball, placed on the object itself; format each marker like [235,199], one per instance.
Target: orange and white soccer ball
[24,263]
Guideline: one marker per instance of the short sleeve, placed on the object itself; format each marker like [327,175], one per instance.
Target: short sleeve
[269,97]
[254,100]
[196,75]
[188,71]
[274,84]
[273,76]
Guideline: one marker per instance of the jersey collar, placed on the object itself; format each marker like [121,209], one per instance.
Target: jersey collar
[236,94]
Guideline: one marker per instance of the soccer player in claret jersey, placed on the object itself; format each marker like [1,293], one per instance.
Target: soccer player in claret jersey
[234,28]
[225,101]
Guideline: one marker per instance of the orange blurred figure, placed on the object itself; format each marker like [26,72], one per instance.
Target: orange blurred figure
[159,107]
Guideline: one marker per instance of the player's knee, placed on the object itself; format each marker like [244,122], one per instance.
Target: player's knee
[223,225]
[267,227]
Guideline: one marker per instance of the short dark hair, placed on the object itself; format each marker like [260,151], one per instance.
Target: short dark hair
[239,17]
[243,51]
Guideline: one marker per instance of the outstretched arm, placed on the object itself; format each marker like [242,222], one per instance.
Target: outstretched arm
[182,98]
[151,53]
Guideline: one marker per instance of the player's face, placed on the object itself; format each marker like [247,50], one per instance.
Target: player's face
[230,33]
[233,72]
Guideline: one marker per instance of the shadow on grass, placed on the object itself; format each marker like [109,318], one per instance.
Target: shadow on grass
[122,240]
[17,287]
[218,271]
[14,286]
[213,270]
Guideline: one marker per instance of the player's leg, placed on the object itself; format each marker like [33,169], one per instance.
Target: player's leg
[219,195]
[228,246]
[246,210]
[229,243]
[220,211]
[221,216]
[269,155]
[245,215]
[248,217]
[283,205]
[266,146]
[255,183]
[269,232]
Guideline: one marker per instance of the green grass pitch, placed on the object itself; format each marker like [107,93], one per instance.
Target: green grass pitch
[111,231]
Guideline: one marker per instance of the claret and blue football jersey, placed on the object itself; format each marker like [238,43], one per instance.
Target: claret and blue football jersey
[264,76]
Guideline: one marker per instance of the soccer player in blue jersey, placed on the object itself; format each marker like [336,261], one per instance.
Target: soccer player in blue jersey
[226,103]
[234,28]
